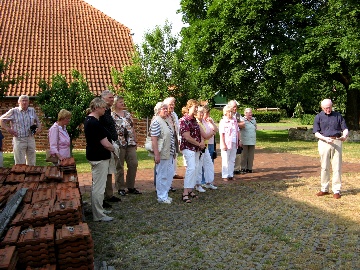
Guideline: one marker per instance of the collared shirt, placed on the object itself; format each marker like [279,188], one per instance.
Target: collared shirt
[189,124]
[230,129]
[59,140]
[329,125]
[21,120]
[125,129]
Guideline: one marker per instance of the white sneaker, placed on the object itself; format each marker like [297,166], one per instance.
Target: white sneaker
[106,219]
[211,186]
[106,212]
[167,201]
[169,198]
[200,189]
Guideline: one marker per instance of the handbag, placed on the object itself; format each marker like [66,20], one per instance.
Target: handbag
[239,150]
[49,157]
[148,144]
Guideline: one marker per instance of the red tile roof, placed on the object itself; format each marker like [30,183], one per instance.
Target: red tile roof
[46,37]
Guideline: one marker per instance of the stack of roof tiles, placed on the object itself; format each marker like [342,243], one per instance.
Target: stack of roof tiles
[47,228]
[47,37]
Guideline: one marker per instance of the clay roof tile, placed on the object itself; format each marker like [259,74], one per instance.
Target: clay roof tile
[46,37]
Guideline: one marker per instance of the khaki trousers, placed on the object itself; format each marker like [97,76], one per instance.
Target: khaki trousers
[128,155]
[247,157]
[330,153]
[24,150]
[99,170]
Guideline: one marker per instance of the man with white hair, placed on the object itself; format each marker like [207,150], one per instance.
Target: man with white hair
[22,123]
[331,130]
[241,124]
[109,124]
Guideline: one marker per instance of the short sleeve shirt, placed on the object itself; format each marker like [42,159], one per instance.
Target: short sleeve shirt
[188,124]
[21,120]
[94,133]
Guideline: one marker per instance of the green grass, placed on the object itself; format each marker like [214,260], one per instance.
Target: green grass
[82,165]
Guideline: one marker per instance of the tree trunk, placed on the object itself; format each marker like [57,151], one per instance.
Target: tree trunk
[352,115]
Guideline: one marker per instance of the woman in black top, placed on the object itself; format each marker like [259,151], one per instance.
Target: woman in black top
[98,153]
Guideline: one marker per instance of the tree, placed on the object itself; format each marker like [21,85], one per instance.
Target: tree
[277,53]
[158,70]
[5,80]
[59,94]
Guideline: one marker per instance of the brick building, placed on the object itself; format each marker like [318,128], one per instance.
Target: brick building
[47,37]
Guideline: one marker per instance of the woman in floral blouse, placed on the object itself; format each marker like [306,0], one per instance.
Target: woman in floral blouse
[124,125]
[191,145]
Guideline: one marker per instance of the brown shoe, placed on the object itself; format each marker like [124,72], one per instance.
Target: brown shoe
[176,176]
[225,179]
[322,193]
[231,178]
[337,195]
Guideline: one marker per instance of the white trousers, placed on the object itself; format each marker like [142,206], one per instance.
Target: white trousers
[192,167]
[164,173]
[330,153]
[228,161]
[99,170]
[208,165]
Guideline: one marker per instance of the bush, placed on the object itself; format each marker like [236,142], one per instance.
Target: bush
[216,114]
[266,116]
[307,119]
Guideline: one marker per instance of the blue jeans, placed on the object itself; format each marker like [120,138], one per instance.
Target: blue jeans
[211,151]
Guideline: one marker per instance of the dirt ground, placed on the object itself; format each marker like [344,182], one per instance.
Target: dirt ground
[268,166]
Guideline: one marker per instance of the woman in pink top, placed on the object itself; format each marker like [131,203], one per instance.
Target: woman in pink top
[59,139]
[229,141]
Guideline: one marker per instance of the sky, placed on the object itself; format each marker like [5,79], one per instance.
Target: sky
[141,16]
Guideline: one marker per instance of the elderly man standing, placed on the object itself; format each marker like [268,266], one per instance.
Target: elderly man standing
[331,130]
[108,123]
[22,123]
[241,124]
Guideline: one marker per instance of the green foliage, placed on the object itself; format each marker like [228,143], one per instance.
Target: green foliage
[277,53]
[158,70]
[266,117]
[298,111]
[307,119]
[5,80]
[216,114]
[59,94]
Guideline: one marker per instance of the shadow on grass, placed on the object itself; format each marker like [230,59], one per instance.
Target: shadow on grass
[240,226]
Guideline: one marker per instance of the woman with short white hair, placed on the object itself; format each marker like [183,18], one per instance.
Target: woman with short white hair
[248,139]
[229,142]
[164,158]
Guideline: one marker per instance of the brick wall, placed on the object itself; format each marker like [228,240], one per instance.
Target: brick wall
[42,140]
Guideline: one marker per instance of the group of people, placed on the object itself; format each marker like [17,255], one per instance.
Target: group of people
[111,140]
[194,136]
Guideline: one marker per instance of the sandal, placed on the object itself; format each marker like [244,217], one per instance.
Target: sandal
[185,198]
[193,195]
